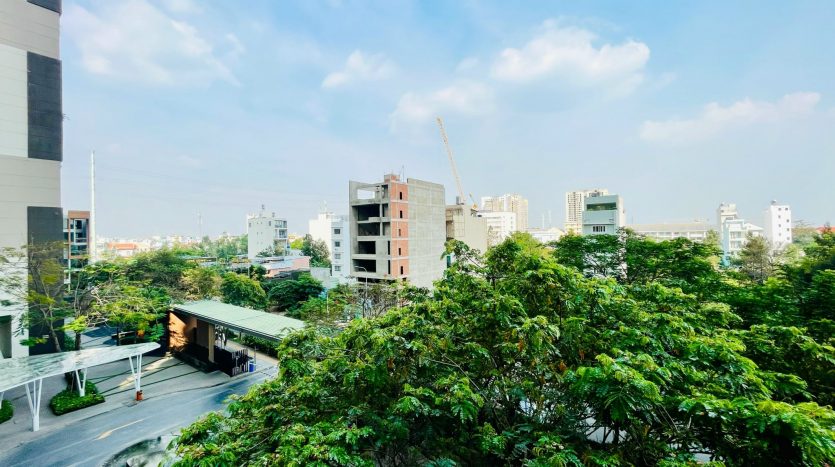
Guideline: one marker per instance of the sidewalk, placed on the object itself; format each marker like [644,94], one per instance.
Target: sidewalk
[160,376]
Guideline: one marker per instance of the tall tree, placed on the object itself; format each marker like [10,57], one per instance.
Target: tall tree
[32,279]
[756,259]
[317,250]
[240,290]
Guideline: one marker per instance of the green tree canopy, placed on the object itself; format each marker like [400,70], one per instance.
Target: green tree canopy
[516,359]
[317,250]
[240,290]
[289,294]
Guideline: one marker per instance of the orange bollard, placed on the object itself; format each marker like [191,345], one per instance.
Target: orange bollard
[138,396]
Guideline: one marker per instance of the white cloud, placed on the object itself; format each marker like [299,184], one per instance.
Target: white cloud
[361,67]
[569,54]
[462,98]
[715,118]
[135,41]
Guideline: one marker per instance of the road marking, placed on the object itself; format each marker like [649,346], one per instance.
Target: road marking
[110,432]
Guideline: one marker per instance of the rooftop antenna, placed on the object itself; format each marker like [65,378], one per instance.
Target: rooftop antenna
[199,226]
[91,247]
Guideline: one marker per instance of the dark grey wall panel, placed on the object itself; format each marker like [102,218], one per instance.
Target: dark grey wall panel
[45,112]
[54,5]
[45,225]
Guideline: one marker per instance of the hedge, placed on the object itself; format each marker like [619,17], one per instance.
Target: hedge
[68,400]
[6,411]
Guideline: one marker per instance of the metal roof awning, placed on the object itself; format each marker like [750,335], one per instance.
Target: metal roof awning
[31,370]
[253,322]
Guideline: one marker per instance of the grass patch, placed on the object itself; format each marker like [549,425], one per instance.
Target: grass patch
[6,411]
[68,400]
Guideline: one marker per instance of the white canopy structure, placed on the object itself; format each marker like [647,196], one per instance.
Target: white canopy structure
[30,371]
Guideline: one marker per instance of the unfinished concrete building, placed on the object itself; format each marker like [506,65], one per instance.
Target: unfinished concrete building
[398,230]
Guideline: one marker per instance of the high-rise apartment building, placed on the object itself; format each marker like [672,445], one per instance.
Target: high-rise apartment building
[398,230]
[508,203]
[575,202]
[778,225]
[31,141]
[501,223]
[603,215]
[266,235]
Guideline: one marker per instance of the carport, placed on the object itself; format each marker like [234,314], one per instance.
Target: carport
[193,327]
[30,371]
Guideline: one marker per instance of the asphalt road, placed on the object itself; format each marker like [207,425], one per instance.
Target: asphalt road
[92,441]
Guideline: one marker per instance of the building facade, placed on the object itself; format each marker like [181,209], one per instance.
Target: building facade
[340,247]
[463,224]
[603,215]
[76,241]
[398,230]
[31,141]
[266,235]
[501,224]
[508,203]
[321,228]
[733,231]
[696,231]
[551,234]
[778,225]
[575,203]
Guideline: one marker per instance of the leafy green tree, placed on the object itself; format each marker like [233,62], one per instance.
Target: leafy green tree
[240,290]
[297,244]
[289,294]
[160,268]
[516,359]
[755,260]
[32,279]
[317,250]
[201,282]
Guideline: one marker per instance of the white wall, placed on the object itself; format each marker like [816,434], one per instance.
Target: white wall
[29,27]
[14,113]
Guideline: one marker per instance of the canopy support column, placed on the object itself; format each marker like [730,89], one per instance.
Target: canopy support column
[82,381]
[34,398]
[136,370]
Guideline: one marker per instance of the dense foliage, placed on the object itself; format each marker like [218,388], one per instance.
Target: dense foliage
[238,289]
[560,356]
[289,294]
[68,400]
[6,411]
[317,250]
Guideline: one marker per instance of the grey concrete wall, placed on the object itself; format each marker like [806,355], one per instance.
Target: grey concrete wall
[427,232]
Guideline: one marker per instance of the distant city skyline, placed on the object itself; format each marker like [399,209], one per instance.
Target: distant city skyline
[203,107]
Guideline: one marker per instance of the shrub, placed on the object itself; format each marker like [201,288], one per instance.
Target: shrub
[68,400]
[6,411]
[268,347]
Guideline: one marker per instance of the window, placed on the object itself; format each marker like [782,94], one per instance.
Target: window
[399,252]
[337,268]
[337,256]
[337,231]
[400,195]
[601,207]
[337,244]
[399,233]
[401,270]
[598,228]
[401,214]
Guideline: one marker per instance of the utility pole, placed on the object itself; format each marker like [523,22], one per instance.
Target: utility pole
[91,237]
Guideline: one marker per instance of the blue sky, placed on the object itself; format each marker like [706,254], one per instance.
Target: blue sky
[218,107]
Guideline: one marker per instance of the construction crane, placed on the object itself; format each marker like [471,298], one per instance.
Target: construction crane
[461,197]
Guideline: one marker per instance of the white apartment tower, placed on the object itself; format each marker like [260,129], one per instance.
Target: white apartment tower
[31,143]
[733,230]
[778,225]
[266,235]
[321,228]
[510,202]
[603,215]
[575,202]
[340,248]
